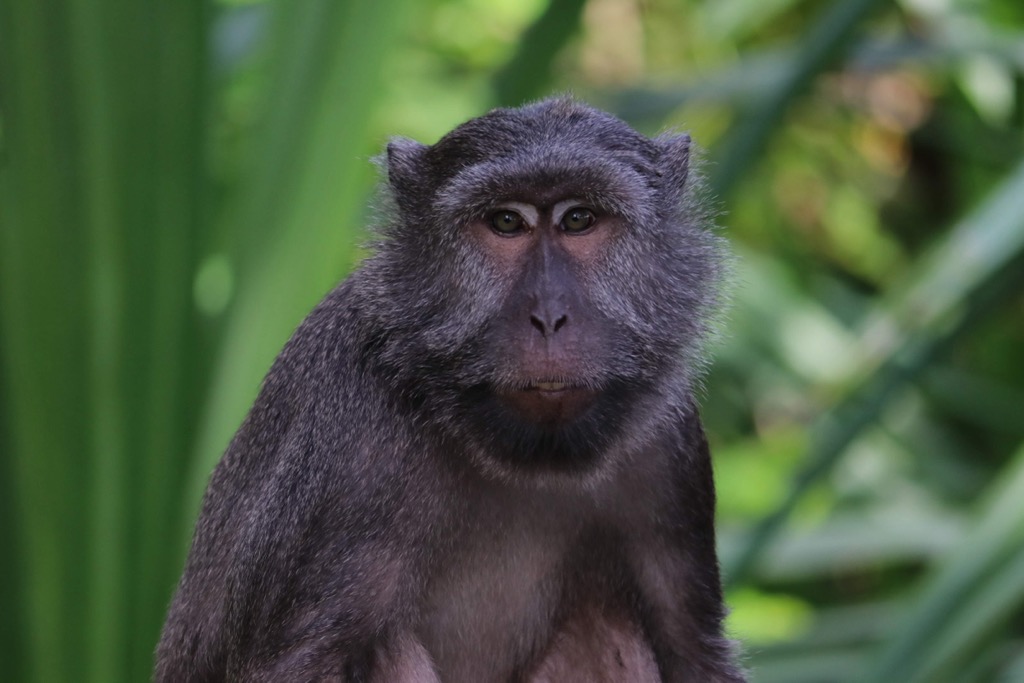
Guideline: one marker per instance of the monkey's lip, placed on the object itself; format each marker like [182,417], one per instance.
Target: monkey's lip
[549,401]
[550,386]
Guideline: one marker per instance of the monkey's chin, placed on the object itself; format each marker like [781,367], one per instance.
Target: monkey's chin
[547,427]
[549,403]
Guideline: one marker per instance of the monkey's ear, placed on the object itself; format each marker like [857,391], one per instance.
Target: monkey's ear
[406,172]
[675,161]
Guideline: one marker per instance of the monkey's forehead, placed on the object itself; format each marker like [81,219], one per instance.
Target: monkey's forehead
[545,176]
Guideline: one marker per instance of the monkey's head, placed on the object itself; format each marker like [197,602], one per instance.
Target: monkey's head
[545,270]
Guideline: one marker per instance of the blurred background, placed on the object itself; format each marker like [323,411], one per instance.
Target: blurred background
[180,182]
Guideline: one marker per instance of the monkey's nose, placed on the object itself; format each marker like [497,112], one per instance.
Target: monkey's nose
[548,324]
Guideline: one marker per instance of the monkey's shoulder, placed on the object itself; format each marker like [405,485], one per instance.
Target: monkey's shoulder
[322,352]
[321,433]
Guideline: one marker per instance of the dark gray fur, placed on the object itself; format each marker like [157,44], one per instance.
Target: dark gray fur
[378,517]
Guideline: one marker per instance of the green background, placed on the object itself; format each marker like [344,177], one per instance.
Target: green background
[180,182]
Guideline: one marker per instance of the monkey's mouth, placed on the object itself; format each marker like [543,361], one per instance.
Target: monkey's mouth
[549,402]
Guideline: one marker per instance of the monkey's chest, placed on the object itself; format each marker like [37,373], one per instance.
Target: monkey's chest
[501,616]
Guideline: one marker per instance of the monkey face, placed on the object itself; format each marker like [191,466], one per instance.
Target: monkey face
[554,352]
[548,329]
[556,388]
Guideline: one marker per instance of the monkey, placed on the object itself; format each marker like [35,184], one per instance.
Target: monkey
[480,459]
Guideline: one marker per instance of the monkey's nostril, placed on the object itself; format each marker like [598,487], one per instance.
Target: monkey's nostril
[546,328]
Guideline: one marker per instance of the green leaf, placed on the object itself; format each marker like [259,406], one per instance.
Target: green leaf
[528,72]
[821,48]
[969,597]
[967,272]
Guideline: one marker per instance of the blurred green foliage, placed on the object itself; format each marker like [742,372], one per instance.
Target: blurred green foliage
[181,182]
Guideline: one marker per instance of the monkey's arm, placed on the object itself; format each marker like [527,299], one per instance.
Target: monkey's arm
[298,578]
[193,642]
[298,551]
[678,571]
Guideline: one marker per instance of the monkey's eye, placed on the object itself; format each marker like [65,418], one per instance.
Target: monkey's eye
[507,222]
[577,220]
